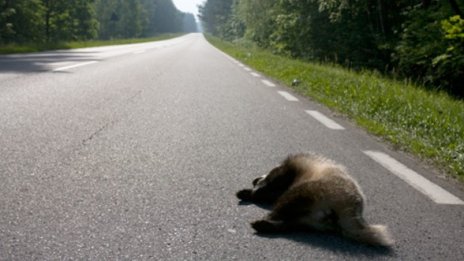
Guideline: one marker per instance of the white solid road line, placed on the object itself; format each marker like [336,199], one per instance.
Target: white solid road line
[139,52]
[73,66]
[288,96]
[247,69]
[255,74]
[433,191]
[329,123]
[268,83]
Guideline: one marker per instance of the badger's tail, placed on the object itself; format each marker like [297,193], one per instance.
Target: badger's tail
[376,235]
[357,229]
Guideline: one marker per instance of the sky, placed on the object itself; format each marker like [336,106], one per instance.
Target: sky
[188,6]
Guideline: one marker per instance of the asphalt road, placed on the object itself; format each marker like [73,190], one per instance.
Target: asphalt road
[135,152]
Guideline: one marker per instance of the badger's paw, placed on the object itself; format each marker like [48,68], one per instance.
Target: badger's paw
[244,194]
[266,226]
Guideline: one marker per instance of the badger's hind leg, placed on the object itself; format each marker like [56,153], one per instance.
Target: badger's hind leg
[299,209]
[269,226]
[318,220]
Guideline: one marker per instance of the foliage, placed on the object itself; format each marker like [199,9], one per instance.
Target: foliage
[430,124]
[426,53]
[450,65]
[404,37]
[141,18]
[52,21]
[15,15]
[258,18]
[37,47]
[216,15]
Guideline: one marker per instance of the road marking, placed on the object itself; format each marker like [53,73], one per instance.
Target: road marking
[288,96]
[433,191]
[329,123]
[255,74]
[73,66]
[241,65]
[247,69]
[139,52]
[268,83]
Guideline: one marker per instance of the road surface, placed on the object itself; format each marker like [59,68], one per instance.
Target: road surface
[135,153]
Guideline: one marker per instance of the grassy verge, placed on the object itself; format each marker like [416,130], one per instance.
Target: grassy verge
[428,124]
[36,47]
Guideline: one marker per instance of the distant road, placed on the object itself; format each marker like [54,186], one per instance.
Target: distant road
[135,152]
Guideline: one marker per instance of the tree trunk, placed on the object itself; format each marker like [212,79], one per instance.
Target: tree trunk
[381,21]
[47,20]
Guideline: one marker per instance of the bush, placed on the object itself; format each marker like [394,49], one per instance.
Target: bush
[431,50]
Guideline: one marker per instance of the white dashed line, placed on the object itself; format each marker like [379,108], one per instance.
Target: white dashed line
[329,123]
[268,83]
[288,96]
[433,191]
[73,66]
[255,75]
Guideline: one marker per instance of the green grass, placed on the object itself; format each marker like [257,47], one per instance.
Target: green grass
[37,47]
[428,124]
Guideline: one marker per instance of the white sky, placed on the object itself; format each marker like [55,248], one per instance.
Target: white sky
[188,6]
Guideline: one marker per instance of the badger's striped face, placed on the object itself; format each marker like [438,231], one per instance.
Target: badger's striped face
[264,179]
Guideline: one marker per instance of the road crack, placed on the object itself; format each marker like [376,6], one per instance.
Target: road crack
[87,140]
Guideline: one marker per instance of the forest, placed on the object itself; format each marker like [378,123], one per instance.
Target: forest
[414,40]
[50,21]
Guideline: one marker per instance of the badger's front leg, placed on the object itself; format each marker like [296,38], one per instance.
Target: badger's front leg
[267,188]
[247,194]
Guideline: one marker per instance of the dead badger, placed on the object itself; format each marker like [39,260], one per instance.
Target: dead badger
[310,191]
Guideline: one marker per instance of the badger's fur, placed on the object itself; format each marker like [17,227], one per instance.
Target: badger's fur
[310,191]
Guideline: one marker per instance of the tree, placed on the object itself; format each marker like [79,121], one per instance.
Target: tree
[66,20]
[21,21]
[189,23]
[137,18]
[215,14]
[167,19]
[259,18]
[82,19]
[409,37]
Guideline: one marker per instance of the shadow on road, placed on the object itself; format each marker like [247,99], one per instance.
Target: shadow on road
[41,62]
[334,243]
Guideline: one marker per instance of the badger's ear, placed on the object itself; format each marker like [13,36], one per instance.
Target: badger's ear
[256,180]
[244,194]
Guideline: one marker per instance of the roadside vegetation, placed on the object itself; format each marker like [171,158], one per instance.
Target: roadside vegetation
[425,122]
[36,47]
[394,66]
[37,25]
[420,40]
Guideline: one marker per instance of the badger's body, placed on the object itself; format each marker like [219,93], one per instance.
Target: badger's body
[310,191]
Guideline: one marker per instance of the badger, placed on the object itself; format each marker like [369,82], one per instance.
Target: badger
[309,191]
